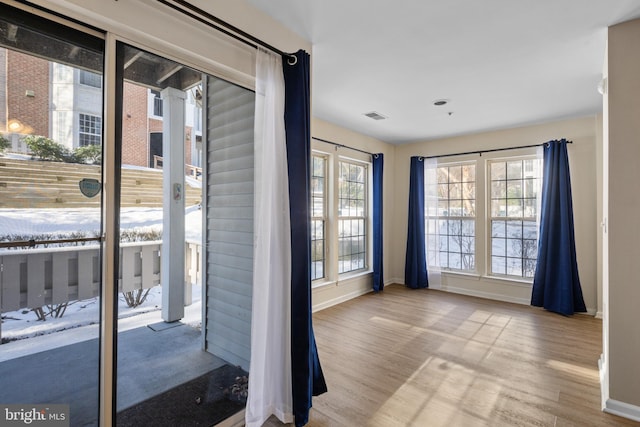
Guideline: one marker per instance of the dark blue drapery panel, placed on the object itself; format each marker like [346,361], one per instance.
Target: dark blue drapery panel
[307,377]
[556,285]
[415,267]
[378,276]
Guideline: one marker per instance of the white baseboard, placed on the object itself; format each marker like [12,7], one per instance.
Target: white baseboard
[340,299]
[598,315]
[612,406]
[622,409]
[486,295]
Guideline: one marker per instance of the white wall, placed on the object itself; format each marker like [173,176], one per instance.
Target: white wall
[582,159]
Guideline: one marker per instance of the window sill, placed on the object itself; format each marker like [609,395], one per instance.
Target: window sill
[512,280]
[353,275]
[461,273]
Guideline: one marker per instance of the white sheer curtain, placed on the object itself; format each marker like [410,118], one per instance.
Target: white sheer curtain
[433,222]
[270,369]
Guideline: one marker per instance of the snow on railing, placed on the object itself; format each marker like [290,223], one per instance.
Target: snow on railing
[33,278]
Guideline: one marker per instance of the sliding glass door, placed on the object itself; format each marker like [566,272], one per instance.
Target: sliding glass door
[88,253]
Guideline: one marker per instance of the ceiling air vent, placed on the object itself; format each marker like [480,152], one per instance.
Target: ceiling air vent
[375,115]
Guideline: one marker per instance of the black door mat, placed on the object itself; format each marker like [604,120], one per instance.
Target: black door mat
[204,401]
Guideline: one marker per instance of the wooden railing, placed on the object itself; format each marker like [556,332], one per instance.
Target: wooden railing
[33,278]
[189,170]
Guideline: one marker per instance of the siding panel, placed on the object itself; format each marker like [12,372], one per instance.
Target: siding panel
[229,210]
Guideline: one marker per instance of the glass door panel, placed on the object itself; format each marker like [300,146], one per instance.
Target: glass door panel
[51,102]
[170,369]
[161,362]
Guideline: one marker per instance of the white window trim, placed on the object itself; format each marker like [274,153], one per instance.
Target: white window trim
[324,216]
[332,277]
[483,221]
[488,218]
[81,132]
[477,218]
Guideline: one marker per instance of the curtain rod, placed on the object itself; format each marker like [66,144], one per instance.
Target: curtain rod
[345,146]
[224,27]
[480,152]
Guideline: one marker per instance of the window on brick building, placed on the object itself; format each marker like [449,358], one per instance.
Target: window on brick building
[90,130]
[88,78]
[157,103]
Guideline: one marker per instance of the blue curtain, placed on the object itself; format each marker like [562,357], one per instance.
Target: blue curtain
[307,377]
[556,285]
[415,267]
[378,276]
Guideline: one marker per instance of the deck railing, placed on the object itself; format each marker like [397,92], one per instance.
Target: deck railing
[33,278]
[193,171]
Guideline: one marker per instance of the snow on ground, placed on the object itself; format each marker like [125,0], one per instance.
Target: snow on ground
[40,221]
[19,325]
[80,323]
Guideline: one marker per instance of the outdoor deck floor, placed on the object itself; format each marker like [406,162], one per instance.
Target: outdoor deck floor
[150,362]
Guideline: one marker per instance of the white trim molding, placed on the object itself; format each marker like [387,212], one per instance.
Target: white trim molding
[622,409]
[612,406]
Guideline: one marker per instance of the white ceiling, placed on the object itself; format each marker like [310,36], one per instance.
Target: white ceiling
[501,63]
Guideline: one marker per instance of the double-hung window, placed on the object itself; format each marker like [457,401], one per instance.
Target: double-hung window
[340,223]
[515,185]
[318,216]
[90,130]
[352,217]
[487,230]
[157,103]
[451,216]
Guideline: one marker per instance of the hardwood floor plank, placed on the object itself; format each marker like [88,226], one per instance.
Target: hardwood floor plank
[429,358]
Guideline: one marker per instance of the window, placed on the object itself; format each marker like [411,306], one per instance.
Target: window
[352,221]
[318,217]
[340,222]
[90,130]
[157,103]
[451,216]
[88,78]
[513,216]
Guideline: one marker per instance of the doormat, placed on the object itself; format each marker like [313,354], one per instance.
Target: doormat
[204,401]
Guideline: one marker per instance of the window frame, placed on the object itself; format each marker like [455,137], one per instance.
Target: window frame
[430,219]
[366,221]
[157,106]
[88,78]
[332,276]
[91,135]
[322,218]
[490,217]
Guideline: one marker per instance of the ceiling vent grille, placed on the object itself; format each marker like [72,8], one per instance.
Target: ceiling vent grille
[375,115]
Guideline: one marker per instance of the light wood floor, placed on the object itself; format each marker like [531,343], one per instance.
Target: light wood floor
[429,358]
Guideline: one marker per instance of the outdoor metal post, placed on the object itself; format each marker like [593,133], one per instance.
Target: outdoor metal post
[173,235]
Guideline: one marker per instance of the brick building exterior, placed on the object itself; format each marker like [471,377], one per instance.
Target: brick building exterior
[135,126]
[33,101]
[27,94]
